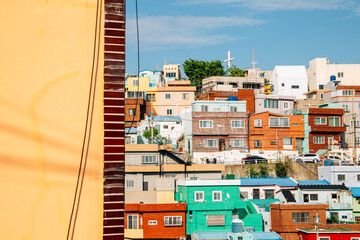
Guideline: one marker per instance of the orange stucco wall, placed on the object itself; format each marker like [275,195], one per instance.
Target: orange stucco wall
[46,57]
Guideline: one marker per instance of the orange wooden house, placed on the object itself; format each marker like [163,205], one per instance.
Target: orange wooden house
[276,132]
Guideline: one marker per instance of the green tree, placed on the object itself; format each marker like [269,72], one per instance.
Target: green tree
[236,72]
[264,169]
[197,70]
[283,168]
[252,172]
[147,134]
[162,140]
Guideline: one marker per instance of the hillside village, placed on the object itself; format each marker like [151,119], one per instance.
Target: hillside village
[273,154]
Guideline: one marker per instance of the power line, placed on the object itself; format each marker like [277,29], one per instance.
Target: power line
[93,78]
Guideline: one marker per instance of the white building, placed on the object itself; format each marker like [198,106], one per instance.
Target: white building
[290,81]
[348,175]
[170,127]
[320,71]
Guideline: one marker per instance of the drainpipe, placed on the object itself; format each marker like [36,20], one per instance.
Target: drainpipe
[249,133]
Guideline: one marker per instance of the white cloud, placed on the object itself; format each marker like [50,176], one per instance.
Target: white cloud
[278,5]
[170,31]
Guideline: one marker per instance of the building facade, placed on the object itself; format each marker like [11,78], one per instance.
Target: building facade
[216,126]
[312,99]
[274,103]
[290,81]
[321,71]
[275,132]
[155,221]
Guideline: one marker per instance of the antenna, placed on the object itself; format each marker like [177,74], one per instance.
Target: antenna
[253,62]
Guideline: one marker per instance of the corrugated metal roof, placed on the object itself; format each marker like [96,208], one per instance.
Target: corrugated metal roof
[322,187]
[265,235]
[313,182]
[211,235]
[282,182]
[355,191]
[130,130]
[167,119]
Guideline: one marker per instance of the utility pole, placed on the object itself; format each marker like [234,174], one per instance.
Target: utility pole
[354,123]
[151,122]
[277,147]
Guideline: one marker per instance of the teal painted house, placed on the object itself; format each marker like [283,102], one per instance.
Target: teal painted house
[213,204]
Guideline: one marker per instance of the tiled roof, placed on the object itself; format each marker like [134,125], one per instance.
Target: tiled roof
[355,191]
[313,182]
[282,182]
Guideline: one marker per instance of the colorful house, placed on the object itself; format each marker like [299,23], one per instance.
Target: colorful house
[276,133]
[155,221]
[328,234]
[322,129]
[356,203]
[213,204]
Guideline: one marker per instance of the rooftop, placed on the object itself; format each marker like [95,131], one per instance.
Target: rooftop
[323,187]
[281,182]
[313,182]
[167,119]
[328,230]
[208,182]
[355,191]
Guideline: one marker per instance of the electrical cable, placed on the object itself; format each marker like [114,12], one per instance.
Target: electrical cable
[91,96]
[138,66]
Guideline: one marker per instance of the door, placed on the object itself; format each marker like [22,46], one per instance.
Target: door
[331,142]
[221,144]
[145,186]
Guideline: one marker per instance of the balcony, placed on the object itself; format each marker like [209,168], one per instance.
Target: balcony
[325,128]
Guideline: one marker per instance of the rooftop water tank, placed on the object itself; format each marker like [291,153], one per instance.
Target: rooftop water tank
[232,98]
[237,226]
[332,78]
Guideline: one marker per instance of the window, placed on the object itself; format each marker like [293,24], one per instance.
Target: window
[279,122]
[334,121]
[271,103]
[132,222]
[324,238]
[204,108]
[347,92]
[345,107]
[152,222]
[129,183]
[321,86]
[256,193]
[269,194]
[135,83]
[217,196]
[169,111]
[132,111]
[149,159]
[165,127]
[341,177]
[357,219]
[343,217]
[286,105]
[334,196]
[321,96]
[258,123]
[302,217]
[287,141]
[215,220]
[185,96]
[295,86]
[320,121]
[283,84]
[244,195]
[319,140]
[168,96]
[306,197]
[199,196]
[133,94]
[313,197]
[358,177]
[173,221]
[170,75]
[237,142]
[233,109]
[340,74]
[170,175]
[237,123]
[150,96]
[210,143]
[220,99]
[257,143]
[205,124]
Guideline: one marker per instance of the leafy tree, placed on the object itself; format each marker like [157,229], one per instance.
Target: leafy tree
[283,168]
[147,134]
[162,140]
[252,172]
[236,72]
[197,70]
[264,169]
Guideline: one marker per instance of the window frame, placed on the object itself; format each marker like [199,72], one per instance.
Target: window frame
[334,122]
[206,143]
[320,118]
[287,138]
[316,138]
[130,183]
[167,96]
[201,123]
[242,123]
[144,159]
[214,194]
[303,217]
[279,121]
[257,121]
[199,200]
[185,96]
[240,141]
[176,224]
[137,221]
[340,180]
[204,108]
[257,143]
[169,111]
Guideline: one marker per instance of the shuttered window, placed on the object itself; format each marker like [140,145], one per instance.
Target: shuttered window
[215,220]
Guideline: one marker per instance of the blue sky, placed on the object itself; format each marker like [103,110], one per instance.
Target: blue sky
[283,32]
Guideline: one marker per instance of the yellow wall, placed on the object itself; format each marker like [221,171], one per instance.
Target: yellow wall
[45,63]
[165,197]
